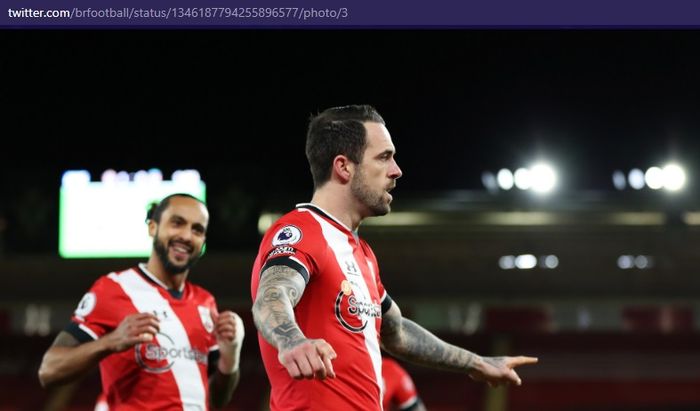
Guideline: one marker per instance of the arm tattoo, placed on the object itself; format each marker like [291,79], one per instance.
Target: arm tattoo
[411,342]
[279,291]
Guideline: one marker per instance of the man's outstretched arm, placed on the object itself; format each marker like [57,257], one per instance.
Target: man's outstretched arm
[411,342]
[279,291]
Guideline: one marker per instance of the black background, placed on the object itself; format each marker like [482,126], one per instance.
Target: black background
[234,104]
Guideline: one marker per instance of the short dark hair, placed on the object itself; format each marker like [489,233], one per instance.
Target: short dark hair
[337,130]
[156,209]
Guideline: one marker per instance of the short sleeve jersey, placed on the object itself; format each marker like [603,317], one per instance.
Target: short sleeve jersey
[167,373]
[342,303]
[400,392]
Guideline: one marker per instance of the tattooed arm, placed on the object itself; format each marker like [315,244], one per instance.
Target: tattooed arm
[279,291]
[411,342]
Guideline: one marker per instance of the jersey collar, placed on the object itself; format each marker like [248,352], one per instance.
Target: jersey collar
[154,279]
[318,210]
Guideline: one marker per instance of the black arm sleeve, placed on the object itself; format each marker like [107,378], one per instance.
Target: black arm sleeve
[286,261]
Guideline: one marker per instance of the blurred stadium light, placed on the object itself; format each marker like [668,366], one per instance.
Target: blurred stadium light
[671,177]
[540,178]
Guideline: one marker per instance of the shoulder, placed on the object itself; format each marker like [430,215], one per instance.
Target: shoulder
[109,283]
[296,228]
[105,299]
[201,294]
[128,278]
[299,218]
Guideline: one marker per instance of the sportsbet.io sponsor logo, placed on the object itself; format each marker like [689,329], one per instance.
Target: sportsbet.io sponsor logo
[288,234]
[353,313]
[159,355]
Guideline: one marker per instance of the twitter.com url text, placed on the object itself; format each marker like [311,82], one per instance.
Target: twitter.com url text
[186,13]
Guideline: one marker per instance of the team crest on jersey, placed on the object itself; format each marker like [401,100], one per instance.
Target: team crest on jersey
[86,305]
[205,315]
[353,312]
[288,234]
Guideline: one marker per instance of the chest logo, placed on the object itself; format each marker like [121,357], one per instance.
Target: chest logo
[354,313]
[159,355]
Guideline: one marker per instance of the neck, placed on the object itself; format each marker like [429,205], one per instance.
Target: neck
[340,204]
[173,282]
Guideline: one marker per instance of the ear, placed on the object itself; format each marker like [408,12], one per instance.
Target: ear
[343,168]
[152,228]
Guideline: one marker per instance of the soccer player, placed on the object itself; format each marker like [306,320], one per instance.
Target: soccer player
[159,340]
[319,304]
[400,392]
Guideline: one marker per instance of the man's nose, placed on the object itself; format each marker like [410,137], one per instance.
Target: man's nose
[395,171]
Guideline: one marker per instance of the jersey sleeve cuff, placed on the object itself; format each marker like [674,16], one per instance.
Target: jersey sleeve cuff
[290,262]
[409,405]
[386,303]
[81,333]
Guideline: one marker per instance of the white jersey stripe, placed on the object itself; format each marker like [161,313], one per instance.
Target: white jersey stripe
[338,242]
[185,371]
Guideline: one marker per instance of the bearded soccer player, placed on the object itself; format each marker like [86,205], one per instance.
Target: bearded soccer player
[319,304]
[159,340]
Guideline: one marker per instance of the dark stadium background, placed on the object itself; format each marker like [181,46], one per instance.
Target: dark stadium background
[234,105]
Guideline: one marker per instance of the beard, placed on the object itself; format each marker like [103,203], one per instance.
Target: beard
[374,201]
[171,267]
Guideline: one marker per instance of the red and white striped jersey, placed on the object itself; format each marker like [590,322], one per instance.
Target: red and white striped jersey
[167,373]
[342,303]
[399,390]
